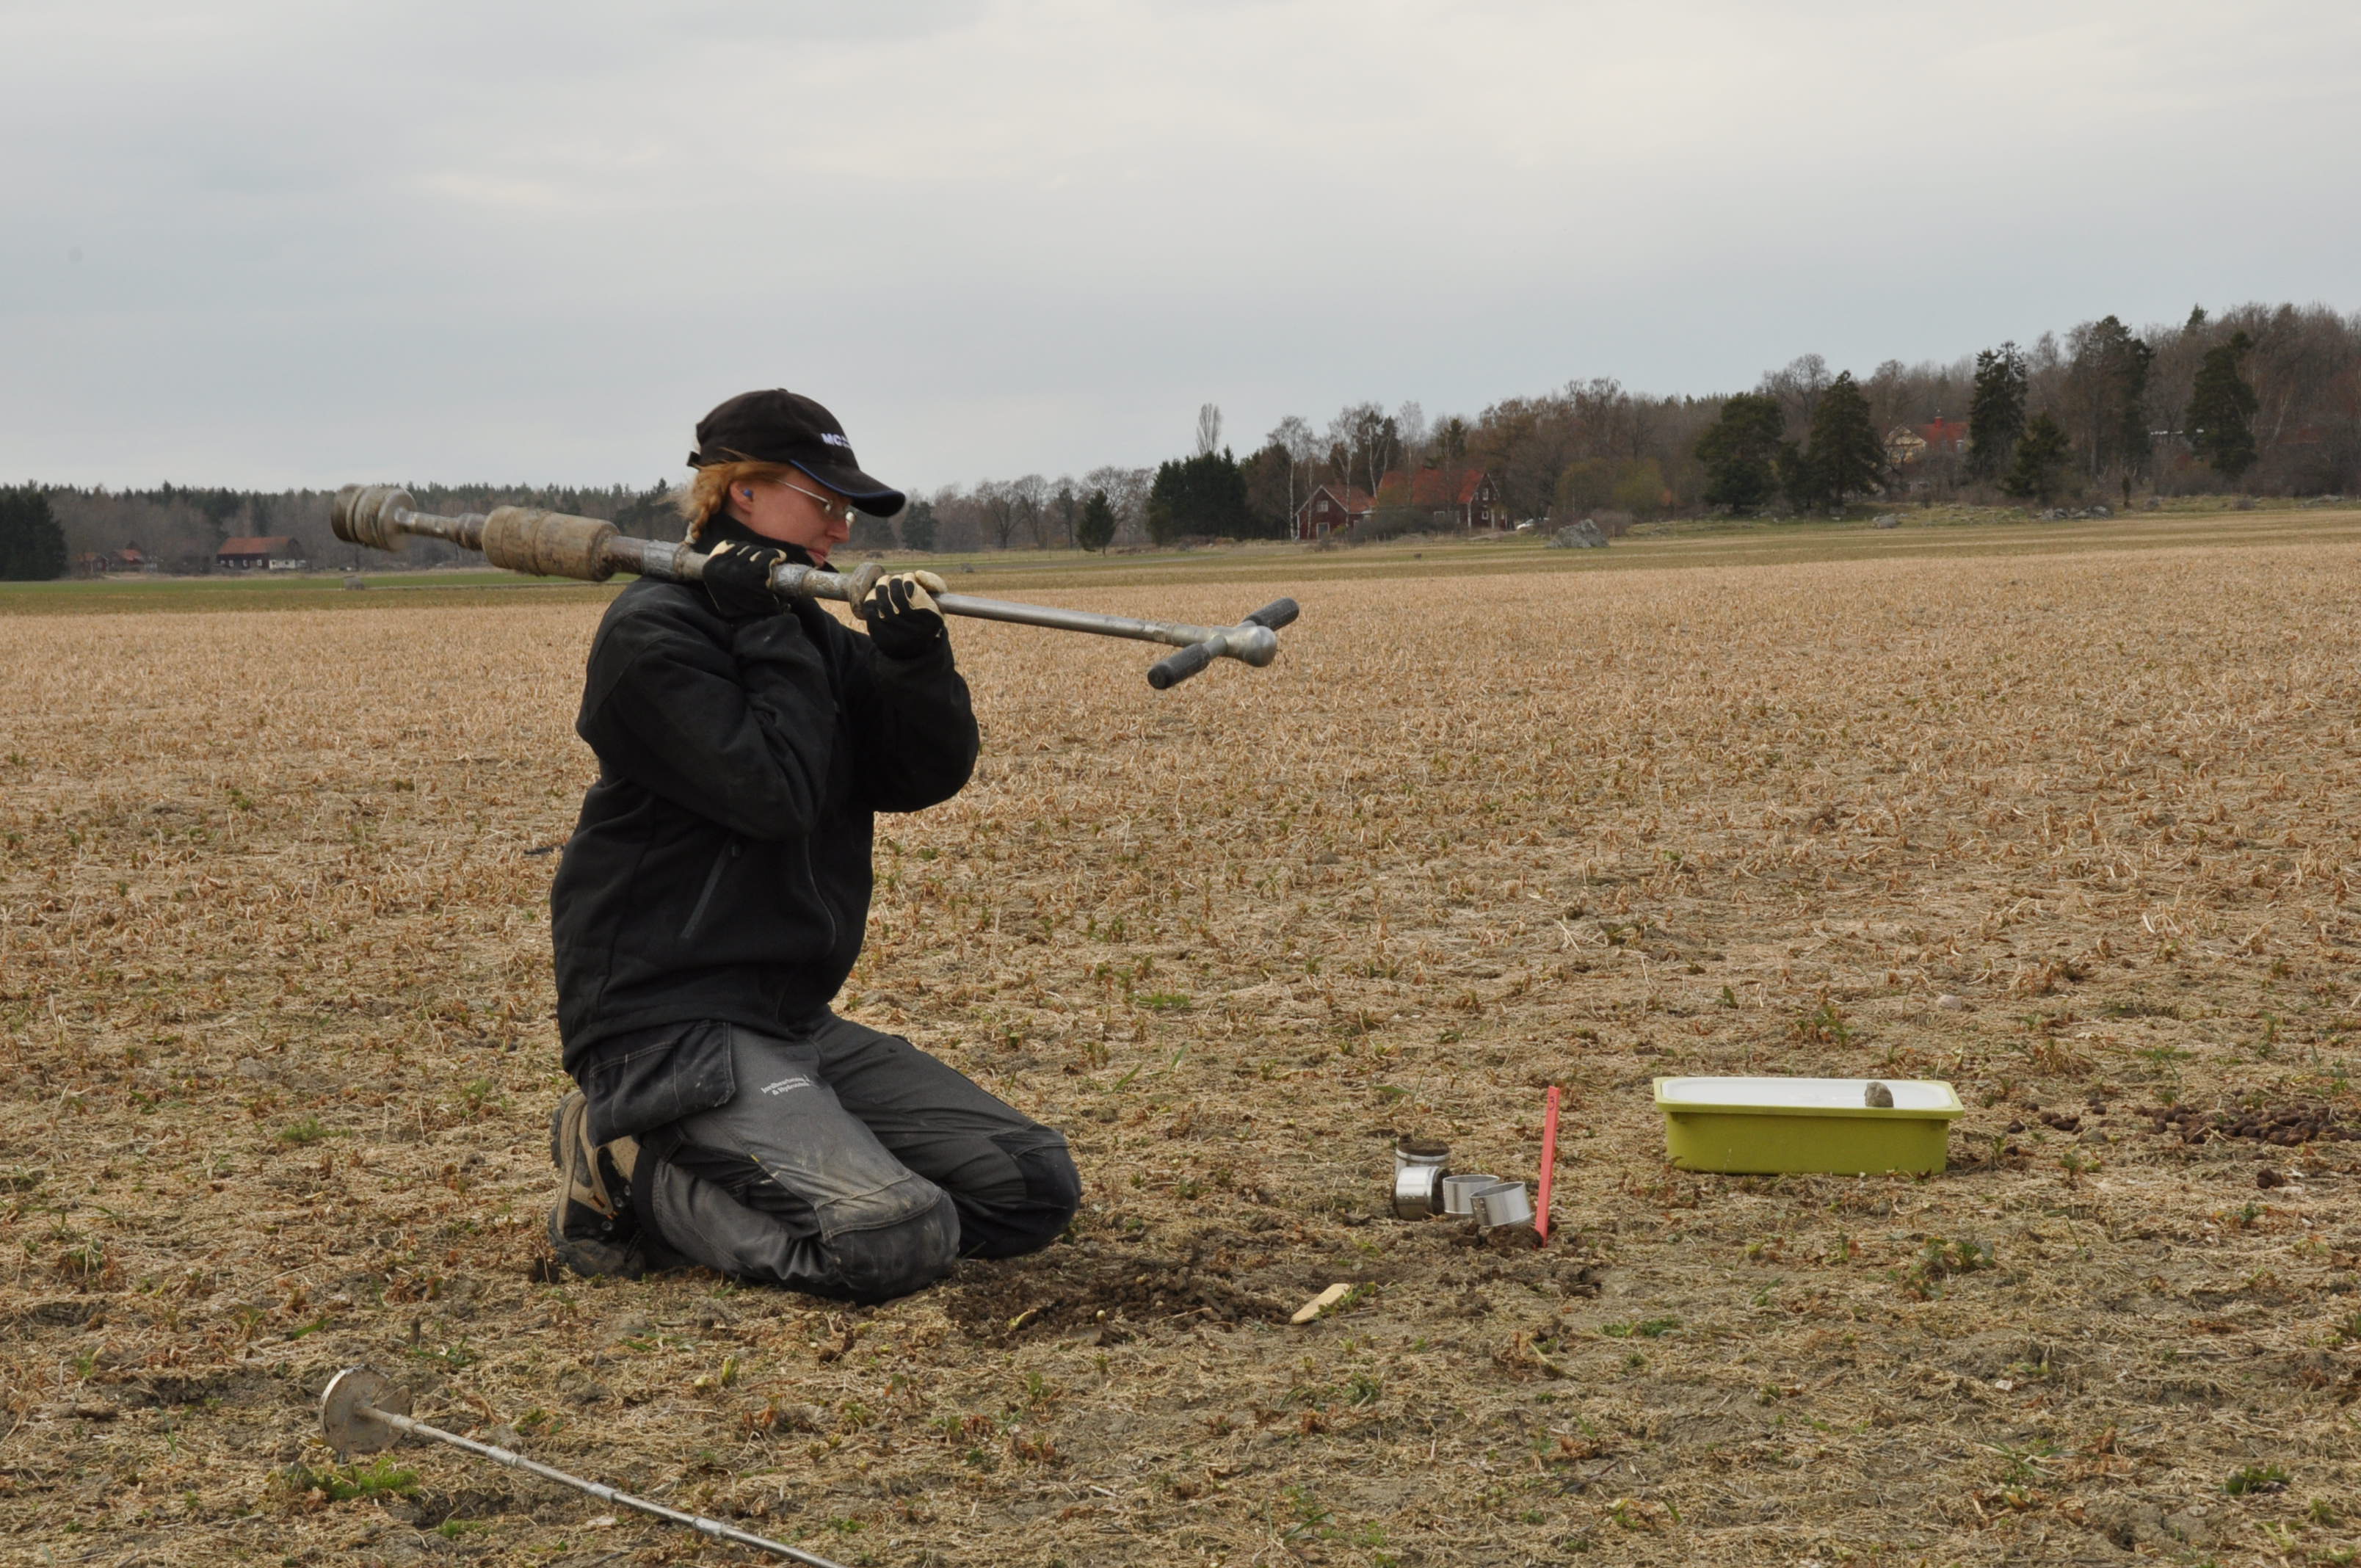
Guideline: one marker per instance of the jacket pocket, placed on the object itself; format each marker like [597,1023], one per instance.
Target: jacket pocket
[639,1090]
[705,896]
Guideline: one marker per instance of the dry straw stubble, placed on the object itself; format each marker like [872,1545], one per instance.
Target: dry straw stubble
[279,1058]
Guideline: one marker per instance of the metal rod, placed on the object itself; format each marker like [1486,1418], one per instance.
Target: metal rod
[1174,634]
[677,562]
[515,1461]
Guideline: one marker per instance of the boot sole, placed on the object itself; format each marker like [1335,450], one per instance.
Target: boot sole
[590,1259]
[594,1260]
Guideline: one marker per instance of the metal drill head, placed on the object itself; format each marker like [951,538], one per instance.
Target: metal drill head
[364,514]
[347,1411]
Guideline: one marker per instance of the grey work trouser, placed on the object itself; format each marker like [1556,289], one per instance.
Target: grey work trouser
[848,1162]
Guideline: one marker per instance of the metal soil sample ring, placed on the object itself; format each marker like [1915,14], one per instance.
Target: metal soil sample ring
[1460,1193]
[1420,1166]
[1504,1204]
[1418,1192]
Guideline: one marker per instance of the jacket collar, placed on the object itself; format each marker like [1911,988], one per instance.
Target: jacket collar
[722,527]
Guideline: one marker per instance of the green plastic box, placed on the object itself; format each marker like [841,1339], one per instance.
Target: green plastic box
[1770,1126]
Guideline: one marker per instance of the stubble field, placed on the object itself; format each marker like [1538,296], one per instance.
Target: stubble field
[279,1058]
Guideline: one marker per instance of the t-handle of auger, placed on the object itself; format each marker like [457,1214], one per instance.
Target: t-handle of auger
[1174,668]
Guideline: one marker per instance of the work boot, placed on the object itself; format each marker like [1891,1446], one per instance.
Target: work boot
[591,1228]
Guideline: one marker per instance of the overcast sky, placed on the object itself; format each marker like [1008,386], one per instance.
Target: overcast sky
[266,243]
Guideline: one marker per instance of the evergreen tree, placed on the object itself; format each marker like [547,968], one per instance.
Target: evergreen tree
[1995,409]
[32,545]
[1797,479]
[2107,394]
[2040,465]
[2222,410]
[649,515]
[1204,495]
[1741,452]
[1846,458]
[919,525]
[870,533]
[1096,529]
[1269,480]
[1161,529]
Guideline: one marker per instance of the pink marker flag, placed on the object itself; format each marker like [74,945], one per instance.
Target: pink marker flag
[1549,1163]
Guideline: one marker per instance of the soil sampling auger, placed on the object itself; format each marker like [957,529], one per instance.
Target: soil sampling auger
[555,544]
[361,1412]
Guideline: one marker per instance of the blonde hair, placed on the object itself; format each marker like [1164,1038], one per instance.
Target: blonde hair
[709,491]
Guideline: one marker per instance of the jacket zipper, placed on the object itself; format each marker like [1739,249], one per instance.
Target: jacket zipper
[712,880]
[811,880]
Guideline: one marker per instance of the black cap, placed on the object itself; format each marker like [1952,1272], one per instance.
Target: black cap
[780,426]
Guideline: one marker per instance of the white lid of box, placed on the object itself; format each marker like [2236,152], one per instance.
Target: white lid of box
[1921,1095]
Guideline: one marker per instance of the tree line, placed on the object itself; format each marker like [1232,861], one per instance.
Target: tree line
[2262,398]
[2265,399]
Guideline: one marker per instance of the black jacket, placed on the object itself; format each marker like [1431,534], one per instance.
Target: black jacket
[721,869]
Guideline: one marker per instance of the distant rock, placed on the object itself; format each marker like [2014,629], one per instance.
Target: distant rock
[1888,520]
[1583,536]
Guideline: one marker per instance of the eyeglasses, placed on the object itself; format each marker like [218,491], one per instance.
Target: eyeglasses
[828,505]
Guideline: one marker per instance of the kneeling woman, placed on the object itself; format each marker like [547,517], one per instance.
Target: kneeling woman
[713,899]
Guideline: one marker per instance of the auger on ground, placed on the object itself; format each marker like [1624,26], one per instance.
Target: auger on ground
[556,544]
[361,1412]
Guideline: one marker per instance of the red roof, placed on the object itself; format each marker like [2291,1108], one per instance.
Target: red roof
[1945,435]
[1433,488]
[1354,502]
[258,544]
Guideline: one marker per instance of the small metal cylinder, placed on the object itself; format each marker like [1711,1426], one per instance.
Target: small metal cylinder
[1420,1166]
[1460,1193]
[1504,1204]
[1418,1192]
[1420,1151]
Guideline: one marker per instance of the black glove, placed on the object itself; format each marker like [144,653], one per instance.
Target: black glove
[901,613]
[738,580]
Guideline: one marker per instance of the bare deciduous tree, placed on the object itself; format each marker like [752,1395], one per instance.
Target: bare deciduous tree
[1126,492]
[1030,496]
[1370,443]
[1209,429]
[1304,449]
[997,499]
[1409,429]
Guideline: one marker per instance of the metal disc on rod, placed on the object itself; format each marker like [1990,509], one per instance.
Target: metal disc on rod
[348,1418]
